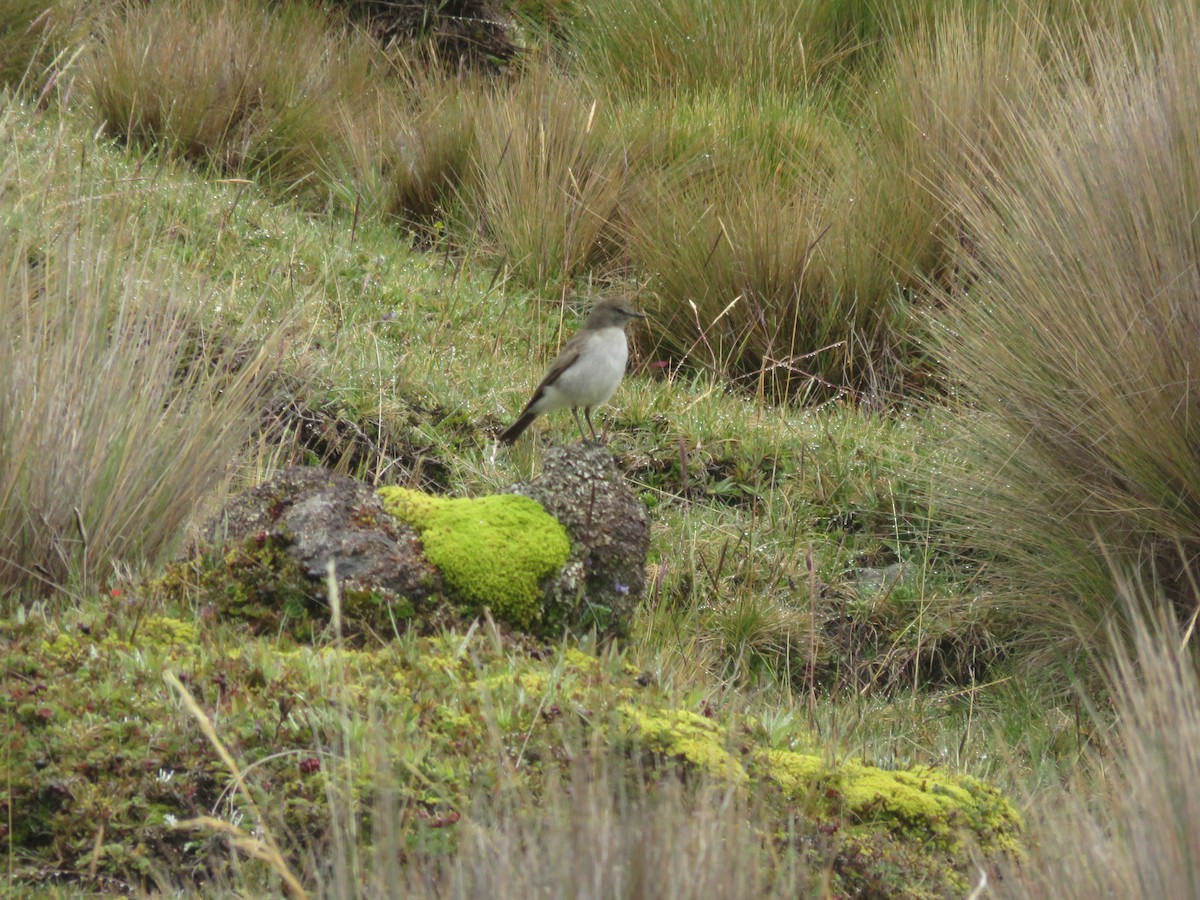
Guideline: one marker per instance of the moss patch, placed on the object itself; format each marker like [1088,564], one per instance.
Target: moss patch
[432,722]
[493,551]
[921,802]
[692,739]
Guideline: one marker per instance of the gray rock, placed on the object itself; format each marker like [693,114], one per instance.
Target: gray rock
[581,486]
[321,517]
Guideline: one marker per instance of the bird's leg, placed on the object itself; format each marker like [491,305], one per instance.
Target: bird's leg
[575,413]
[587,414]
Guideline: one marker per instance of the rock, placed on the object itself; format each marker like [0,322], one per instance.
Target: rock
[581,486]
[316,517]
[564,552]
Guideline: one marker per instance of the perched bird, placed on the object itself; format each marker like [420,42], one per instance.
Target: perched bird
[587,371]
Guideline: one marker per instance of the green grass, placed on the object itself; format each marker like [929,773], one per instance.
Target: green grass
[37,38]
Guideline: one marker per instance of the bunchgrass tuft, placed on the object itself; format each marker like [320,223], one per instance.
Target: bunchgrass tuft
[1072,338]
[119,411]
[222,84]
[547,180]
[757,47]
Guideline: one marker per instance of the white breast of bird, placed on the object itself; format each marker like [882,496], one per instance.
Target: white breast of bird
[595,375]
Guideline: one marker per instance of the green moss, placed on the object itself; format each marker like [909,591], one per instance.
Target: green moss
[685,736]
[796,773]
[929,803]
[96,736]
[164,631]
[493,551]
[922,802]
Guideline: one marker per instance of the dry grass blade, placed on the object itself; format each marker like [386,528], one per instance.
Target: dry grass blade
[1074,337]
[597,836]
[265,849]
[1129,824]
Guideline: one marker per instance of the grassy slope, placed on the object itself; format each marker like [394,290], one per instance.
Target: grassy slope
[418,352]
[372,326]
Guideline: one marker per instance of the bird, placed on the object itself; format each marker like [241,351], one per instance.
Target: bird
[586,372]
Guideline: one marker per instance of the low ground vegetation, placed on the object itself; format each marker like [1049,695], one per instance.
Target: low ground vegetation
[910,417]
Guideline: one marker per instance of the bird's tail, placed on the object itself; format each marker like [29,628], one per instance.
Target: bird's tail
[514,430]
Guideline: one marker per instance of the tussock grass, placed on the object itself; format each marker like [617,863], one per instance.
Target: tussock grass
[1074,341]
[1128,827]
[692,45]
[735,286]
[938,111]
[118,413]
[546,181]
[760,48]
[433,154]
[222,84]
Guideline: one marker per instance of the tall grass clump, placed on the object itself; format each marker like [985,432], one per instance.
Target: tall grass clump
[936,107]
[691,45]
[547,180]
[735,286]
[117,414]
[1131,825]
[33,34]
[1072,339]
[743,253]
[429,162]
[247,88]
[758,47]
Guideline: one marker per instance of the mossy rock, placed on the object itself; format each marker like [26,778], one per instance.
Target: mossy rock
[582,487]
[495,552]
[265,560]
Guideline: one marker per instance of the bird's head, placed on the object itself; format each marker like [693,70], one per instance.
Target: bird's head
[612,312]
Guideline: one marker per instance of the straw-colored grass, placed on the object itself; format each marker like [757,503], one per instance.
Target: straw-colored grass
[34,35]
[226,85]
[119,413]
[1074,339]
[1128,823]
[546,181]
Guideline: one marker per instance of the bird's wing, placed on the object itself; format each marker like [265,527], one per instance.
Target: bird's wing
[567,358]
